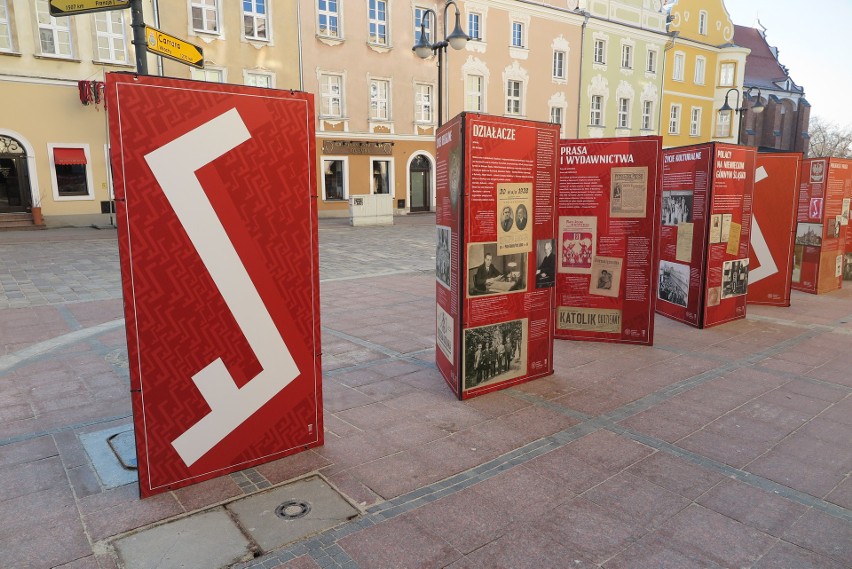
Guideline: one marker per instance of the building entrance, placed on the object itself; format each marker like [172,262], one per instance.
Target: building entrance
[420,176]
[15,195]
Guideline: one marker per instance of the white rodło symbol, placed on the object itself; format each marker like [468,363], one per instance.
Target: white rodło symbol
[767,266]
[174,166]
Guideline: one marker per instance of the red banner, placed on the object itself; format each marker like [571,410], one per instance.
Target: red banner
[497,203]
[608,227]
[776,184]
[216,203]
[704,241]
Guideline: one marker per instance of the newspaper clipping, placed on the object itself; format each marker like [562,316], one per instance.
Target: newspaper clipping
[577,238]
[716,228]
[581,319]
[444,332]
[443,246]
[628,192]
[606,276]
[514,227]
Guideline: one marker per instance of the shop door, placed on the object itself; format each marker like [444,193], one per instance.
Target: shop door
[420,174]
[14,184]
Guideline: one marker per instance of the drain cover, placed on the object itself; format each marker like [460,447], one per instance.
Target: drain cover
[292,509]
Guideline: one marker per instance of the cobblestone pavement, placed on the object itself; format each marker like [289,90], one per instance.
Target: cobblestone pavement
[725,447]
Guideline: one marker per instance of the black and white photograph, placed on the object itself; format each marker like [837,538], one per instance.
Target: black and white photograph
[443,244]
[674,283]
[847,268]
[734,278]
[809,234]
[495,353]
[677,207]
[521,217]
[490,273]
[545,272]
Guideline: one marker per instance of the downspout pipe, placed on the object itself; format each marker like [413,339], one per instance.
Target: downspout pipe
[299,32]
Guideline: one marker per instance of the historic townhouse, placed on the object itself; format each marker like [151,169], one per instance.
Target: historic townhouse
[702,64]
[622,68]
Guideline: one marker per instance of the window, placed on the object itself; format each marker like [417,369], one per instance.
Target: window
[559,64]
[674,119]
[513,97]
[328,18]
[624,113]
[378,22]
[557,116]
[695,122]
[723,124]
[627,56]
[71,175]
[702,23]
[5,27]
[677,72]
[257,79]
[205,16]
[727,71]
[111,41]
[334,186]
[255,19]
[381,183]
[418,20]
[652,61]
[54,33]
[423,103]
[379,99]
[647,114]
[700,66]
[331,95]
[600,52]
[473,93]
[208,74]
[517,34]
[596,116]
[474,26]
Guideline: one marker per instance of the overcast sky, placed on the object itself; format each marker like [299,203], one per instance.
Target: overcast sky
[812,38]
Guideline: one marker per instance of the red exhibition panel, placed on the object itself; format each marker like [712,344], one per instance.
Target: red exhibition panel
[608,206]
[823,219]
[216,202]
[776,195]
[496,183]
[704,240]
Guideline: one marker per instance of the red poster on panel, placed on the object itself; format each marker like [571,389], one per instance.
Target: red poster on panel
[704,240]
[776,184]
[216,202]
[608,224]
[496,183]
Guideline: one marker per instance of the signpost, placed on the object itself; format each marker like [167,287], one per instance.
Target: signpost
[61,8]
[173,47]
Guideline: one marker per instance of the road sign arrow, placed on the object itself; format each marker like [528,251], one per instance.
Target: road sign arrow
[173,47]
[60,8]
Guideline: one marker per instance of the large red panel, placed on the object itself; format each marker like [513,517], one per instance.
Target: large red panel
[216,202]
[609,194]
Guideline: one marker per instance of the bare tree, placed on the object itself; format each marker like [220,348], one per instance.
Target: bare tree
[829,139]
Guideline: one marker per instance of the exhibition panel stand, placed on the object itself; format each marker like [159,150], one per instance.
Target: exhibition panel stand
[823,219]
[704,239]
[773,232]
[216,205]
[608,205]
[496,180]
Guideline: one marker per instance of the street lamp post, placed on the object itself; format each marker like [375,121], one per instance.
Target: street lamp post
[756,108]
[424,48]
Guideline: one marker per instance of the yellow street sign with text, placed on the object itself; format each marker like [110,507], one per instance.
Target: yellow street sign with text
[172,47]
[60,8]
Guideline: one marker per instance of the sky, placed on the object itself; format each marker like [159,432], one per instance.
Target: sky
[812,38]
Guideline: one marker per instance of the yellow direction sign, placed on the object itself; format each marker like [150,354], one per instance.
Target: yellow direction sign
[169,46]
[59,8]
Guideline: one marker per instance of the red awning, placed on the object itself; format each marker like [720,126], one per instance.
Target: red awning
[69,156]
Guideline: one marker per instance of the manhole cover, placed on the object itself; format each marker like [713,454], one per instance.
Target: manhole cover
[292,510]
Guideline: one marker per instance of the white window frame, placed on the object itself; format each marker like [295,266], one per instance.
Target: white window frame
[647,114]
[723,127]
[377,39]
[474,15]
[626,56]
[702,22]
[623,120]
[732,66]
[391,174]
[561,122]
[256,17]
[420,107]
[417,18]
[375,97]
[55,183]
[518,33]
[700,69]
[209,74]
[471,95]
[695,121]
[678,66]
[205,8]
[511,98]
[651,58]
[329,96]
[249,73]
[345,161]
[6,35]
[560,58]
[674,118]
[56,27]
[110,35]
[596,113]
[600,51]
[329,14]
